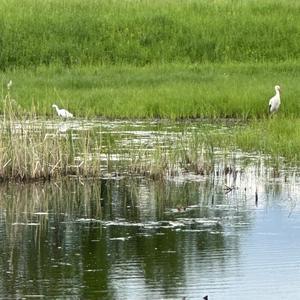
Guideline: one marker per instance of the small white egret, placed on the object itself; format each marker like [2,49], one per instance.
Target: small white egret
[274,102]
[62,112]
[9,85]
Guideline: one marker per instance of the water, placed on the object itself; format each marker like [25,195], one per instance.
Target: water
[230,234]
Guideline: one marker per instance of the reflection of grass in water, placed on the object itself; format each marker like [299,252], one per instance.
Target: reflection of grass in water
[104,199]
[39,202]
[38,249]
[36,219]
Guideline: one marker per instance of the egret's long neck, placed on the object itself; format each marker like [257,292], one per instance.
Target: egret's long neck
[57,110]
[277,93]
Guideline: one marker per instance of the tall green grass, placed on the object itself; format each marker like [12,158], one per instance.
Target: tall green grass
[173,91]
[278,137]
[34,32]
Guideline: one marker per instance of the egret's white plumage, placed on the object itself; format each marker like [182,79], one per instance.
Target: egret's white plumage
[9,85]
[274,102]
[62,112]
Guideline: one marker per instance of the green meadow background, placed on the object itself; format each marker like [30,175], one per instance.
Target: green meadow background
[143,32]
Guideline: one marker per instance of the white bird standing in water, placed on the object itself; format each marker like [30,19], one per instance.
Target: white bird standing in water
[274,102]
[62,112]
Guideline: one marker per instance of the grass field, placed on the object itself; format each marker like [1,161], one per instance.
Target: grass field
[35,32]
[173,91]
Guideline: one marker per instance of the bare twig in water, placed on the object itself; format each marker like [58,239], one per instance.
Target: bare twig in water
[256,198]
[229,189]
[293,205]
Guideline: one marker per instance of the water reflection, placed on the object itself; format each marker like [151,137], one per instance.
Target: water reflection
[133,238]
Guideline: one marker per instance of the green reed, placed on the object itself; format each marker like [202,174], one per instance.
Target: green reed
[276,136]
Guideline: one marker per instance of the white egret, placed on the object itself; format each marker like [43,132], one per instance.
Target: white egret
[62,112]
[274,102]
[9,85]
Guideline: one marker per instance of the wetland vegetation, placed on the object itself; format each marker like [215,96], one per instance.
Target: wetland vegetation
[173,60]
[171,90]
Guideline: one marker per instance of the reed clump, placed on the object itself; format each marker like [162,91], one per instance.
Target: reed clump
[276,136]
[182,154]
[29,153]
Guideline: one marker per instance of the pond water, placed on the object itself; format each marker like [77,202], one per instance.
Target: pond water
[229,234]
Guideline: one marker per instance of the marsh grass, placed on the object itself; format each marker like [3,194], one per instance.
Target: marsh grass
[184,153]
[30,153]
[278,137]
[36,153]
[27,153]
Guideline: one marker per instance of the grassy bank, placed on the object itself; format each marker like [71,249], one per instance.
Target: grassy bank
[35,32]
[158,91]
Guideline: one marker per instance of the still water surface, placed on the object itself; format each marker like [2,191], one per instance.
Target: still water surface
[134,238]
